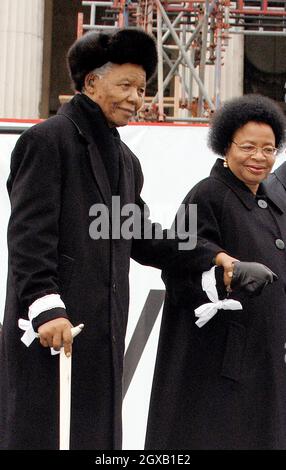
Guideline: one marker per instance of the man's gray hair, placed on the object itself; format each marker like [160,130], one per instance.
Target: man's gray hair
[101,71]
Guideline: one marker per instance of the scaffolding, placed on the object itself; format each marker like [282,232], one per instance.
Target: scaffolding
[190,35]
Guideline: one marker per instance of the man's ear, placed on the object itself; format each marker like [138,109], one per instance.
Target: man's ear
[89,83]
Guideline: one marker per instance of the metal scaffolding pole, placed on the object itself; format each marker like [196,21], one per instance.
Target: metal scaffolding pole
[191,39]
[184,54]
[203,54]
[160,66]
[217,71]
[218,53]
[258,33]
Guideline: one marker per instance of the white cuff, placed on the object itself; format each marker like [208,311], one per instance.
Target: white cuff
[206,311]
[47,302]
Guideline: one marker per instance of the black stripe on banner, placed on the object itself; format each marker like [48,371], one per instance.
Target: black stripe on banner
[141,335]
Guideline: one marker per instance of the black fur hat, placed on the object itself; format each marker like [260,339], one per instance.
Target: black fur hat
[122,46]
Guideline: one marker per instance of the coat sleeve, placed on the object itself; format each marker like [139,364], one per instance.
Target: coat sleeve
[185,286]
[34,187]
[208,196]
[168,249]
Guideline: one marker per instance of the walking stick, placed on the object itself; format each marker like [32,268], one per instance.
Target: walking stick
[65,393]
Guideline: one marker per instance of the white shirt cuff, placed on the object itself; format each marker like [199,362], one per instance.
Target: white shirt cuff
[47,302]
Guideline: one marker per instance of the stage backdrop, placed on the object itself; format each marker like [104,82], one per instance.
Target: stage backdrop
[174,158]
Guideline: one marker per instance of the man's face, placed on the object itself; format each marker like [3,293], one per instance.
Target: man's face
[119,92]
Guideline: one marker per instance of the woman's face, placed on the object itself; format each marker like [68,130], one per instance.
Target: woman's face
[246,166]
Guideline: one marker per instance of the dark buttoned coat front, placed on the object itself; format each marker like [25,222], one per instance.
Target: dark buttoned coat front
[223,386]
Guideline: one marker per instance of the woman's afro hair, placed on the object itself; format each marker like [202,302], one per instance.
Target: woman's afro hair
[235,113]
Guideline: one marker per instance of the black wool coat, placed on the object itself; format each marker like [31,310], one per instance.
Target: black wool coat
[276,184]
[57,175]
[223,386]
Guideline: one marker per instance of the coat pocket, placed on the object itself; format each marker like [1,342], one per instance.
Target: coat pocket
[234,350]
[66,264]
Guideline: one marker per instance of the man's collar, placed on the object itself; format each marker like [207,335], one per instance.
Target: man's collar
[87,116]
[280,173]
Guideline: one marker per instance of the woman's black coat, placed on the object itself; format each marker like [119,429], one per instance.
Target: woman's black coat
[223,386]
[57,175]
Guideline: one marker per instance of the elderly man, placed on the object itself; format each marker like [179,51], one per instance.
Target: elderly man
[276,184]
[61,272]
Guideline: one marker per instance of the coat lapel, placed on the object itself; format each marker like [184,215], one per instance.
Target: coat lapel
[100,174]
[73,112]
[237,186]
[126,188]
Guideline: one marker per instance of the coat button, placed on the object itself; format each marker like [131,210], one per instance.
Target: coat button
[113,338]
[263,204]
[280,244]
[114,287]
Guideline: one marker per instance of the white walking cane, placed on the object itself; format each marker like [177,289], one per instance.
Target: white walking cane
[65,393]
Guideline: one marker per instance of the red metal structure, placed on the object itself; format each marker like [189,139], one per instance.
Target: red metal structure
[190,35]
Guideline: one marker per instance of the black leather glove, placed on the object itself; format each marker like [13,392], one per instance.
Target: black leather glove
[251,277]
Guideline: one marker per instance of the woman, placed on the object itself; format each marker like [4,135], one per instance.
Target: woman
[223,386]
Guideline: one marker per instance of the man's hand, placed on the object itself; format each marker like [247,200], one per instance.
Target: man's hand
[251,277]
[55,334]
[227,262]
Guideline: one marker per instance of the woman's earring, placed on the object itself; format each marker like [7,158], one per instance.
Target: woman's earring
[225,164]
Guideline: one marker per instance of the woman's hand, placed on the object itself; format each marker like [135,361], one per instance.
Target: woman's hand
[226,261]
[251,277]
